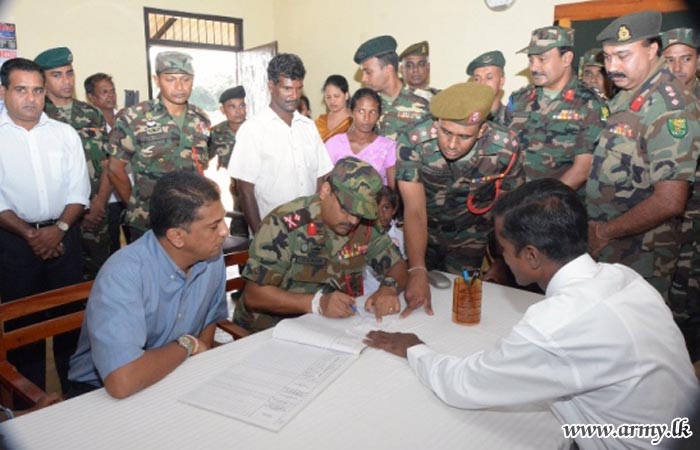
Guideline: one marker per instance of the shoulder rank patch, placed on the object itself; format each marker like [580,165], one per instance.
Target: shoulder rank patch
[295,219]
[604,112]
[637,103]
[678,127]
[569,95]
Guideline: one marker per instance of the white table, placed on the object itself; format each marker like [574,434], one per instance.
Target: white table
[377,404]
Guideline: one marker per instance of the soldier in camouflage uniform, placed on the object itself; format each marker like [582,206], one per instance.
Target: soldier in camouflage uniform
[591,72]
[158,136]
[557,118]
[309,254]
[221,142]
[449,179]
[646,159]
[487,69]
[90,125]
[402,109]
[415,69]
[680,50]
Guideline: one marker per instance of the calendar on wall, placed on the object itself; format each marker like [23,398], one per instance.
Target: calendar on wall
[8,41]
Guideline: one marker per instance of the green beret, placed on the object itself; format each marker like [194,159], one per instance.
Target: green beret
[54,57]
[631,28]
[419,48]
[356,184]
[174,62]
[685,36]
[492,58]
[593,57]
[469,103]
[375,47]
[234,92]
[547,38]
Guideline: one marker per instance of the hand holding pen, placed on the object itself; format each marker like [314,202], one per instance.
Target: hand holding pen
[338,303]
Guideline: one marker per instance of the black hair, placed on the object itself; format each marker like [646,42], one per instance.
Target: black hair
[93,79]
[546,214]
[366,92]
[13,64]
[654,40]
[563,50]
[176,199]
[305,101]
[285,65]
[388,193]
[338,81]
[390,58]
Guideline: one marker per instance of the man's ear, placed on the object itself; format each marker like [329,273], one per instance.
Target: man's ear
[176,237]
[482,130]
[325,190]
[532,256]
[568,58]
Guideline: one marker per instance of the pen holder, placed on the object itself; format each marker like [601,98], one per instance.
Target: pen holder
[466,301]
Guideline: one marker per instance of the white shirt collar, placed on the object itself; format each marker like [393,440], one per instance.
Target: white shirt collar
[581,267]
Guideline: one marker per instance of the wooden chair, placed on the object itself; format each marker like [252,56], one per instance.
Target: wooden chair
[236,283]
[11,381]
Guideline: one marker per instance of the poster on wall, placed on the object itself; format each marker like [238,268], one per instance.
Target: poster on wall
[8,42]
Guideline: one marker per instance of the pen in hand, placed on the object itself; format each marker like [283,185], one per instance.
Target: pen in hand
[336,286]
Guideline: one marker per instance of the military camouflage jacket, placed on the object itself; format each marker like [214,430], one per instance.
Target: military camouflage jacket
[90,125]
[427,93]
[148,137]
[221,142]
[499,117]
[402,113]
[460,194]
[652,135]
[553,132]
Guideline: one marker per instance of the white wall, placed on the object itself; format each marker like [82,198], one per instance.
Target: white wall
[326,33]
[108,35]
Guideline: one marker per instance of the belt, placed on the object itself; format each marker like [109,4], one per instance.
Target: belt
[45,223]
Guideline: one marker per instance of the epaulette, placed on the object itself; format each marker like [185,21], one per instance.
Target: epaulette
[673,97]
[503,136]
[199,111]
[422,132]
[296,219]
[524,91]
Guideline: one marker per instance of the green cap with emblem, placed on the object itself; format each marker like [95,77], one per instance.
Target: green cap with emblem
[54,57]
[419,48]
[467,103]
[631,28]
[377,46]
[593,57]
[356,184]
[234,92]
[174,62]
[492,58]
[685,36]
[547,38]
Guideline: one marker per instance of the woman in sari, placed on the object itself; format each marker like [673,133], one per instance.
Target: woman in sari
[338,118]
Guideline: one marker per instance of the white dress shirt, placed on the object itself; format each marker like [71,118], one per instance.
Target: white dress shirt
[282,162]
[601,348]
[41,170]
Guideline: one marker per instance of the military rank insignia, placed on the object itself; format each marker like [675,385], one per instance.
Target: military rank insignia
[292,221]
[678,127]
[604,112]
[569,95]
[637,103]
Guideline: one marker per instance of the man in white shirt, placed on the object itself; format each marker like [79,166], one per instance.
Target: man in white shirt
[279,155]
[44,189]
[601,348]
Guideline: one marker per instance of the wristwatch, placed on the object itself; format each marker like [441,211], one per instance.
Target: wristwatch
[187,342]
[390,282]
[62,226]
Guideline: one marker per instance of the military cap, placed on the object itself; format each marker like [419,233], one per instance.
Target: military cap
[593,57]
[419,48]
[547,38]
[234,92]
[685,36]
[356,185]
[631,28]
[468,103]
[174,62]
[377,46]
[54,57]
[492,58]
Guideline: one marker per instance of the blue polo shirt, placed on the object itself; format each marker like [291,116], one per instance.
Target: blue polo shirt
[141,300]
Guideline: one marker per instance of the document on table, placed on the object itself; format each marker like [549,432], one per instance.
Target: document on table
[272,384]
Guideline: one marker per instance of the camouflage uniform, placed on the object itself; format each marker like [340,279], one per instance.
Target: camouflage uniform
[401,114]
[428,93]
[651,136]
[90,125]
[221,142]
[457,237]
[148,137]
[553,132]
[295,251]
[499,117]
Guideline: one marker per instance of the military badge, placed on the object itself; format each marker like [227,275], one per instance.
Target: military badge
[637,103]
[604,112]
[678,127]
[623,33]
[292,220]
[569,95]
[311,229]
[475,117]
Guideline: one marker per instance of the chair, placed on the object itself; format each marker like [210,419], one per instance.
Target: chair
[11,381]
[235,283]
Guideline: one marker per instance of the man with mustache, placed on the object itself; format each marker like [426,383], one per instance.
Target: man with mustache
[309,254]
[278,155]
[158,136]
[645,163]
[415,69]
[557,118]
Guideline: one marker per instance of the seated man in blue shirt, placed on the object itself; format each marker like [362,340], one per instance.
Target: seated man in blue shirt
[157,301]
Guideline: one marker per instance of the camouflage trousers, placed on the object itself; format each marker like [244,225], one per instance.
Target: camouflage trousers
[95,248]
[685,290]
[252,321]
[239,226]
[453,252]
